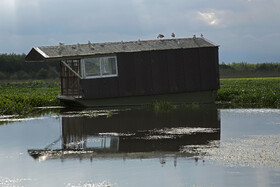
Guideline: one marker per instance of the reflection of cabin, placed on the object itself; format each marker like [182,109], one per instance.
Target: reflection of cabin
[151,132]
[147,132]
[138,68]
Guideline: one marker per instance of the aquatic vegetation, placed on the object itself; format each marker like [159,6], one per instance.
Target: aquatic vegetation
[22,97]
[253,151]
[192,106]
[109,113]
[162,106]
[259,91]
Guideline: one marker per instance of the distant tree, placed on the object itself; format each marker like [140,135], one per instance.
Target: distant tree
[3,76]
[224,66]
[14,67]
[244,69]
[22,75]
[42,73]
[13,77]
[53,73]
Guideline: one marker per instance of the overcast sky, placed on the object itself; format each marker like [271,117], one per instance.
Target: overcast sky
[246,30]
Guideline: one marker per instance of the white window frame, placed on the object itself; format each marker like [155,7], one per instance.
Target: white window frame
[83,68]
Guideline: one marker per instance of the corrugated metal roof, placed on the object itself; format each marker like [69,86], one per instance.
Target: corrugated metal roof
[90,49]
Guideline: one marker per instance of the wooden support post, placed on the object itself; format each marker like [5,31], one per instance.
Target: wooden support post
[66,65]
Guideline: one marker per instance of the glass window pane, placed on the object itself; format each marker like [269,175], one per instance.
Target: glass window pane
[92,67]
[108,66]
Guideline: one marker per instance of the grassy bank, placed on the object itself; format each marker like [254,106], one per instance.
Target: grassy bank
[22,97]
[253,91]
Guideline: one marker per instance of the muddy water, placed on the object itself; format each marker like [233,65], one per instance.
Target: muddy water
[189,146]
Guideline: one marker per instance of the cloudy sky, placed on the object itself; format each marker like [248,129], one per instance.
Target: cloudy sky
[246,30]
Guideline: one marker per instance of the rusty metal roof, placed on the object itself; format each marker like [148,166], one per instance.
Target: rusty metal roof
[84,50]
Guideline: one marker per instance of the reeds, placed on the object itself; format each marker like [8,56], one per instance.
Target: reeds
[257,91]
[22,97]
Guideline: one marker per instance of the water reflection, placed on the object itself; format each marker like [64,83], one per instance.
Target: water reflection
[134,133]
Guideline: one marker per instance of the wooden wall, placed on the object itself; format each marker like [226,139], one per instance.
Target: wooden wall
[158,72]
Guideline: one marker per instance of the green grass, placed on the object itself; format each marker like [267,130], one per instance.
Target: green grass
[22,97]
[258,91]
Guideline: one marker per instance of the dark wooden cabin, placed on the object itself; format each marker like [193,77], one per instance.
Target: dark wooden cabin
[163,69]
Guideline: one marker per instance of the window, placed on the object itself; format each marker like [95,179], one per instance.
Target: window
[99,67]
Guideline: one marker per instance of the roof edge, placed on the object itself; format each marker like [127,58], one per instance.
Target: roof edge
[209,41]
[36,55]
[41,52]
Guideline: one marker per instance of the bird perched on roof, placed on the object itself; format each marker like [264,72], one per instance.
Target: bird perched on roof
[90,45]
[173,35]
[160,36]
[61,48]
[201,35]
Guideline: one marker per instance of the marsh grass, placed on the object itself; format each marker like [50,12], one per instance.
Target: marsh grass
[162,106]
[22,97]
[256,91]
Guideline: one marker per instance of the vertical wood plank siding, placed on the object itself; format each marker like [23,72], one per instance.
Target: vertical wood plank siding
[142,73]
[192,69]
[158,72]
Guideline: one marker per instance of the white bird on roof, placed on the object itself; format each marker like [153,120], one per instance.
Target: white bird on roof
[90,45]
[160,36]
[173,35]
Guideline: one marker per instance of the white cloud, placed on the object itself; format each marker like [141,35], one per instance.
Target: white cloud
[208,17]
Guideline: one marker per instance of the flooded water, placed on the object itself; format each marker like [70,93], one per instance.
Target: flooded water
[188,146]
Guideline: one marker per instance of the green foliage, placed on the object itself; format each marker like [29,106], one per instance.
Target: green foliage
[22,97]
[14,67]
[261,91]
[238,70]
[244,66]
[192,106]
[2,75]
[162,106]
[243,69]
[42,73]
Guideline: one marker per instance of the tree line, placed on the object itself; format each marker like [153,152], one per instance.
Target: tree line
[246,70]
[14,67]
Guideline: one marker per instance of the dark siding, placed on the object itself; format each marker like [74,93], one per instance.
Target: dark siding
[126,73]
[158,72]
[208,69]
[216,61]
[143,73]
[176,71]
[192,69]
[100,88]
